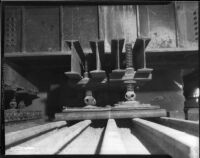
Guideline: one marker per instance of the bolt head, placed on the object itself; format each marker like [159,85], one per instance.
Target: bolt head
[130,95]
[89,100]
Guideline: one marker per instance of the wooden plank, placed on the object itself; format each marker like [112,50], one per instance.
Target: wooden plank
[173,142]
[191,127]
[19,136]
[112,141]
[82,115]
[84,144]
[26,145]
[53,144]
[138,113]
[107,114]
[132,143]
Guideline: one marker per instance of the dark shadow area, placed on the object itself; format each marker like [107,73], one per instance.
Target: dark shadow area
[99,123]
[71,123]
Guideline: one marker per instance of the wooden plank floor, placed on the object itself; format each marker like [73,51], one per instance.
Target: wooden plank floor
[125,136]
[174,142]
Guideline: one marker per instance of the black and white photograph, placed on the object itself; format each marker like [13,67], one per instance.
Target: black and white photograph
[100,77]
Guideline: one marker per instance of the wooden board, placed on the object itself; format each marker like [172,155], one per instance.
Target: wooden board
[191,127]
[21,135]
[128,107]
[93,114]
[52,144]
[174,142]
[112,141]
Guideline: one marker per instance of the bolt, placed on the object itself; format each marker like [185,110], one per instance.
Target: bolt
[89,99]
[130,87]
[129,56]
[130,94]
